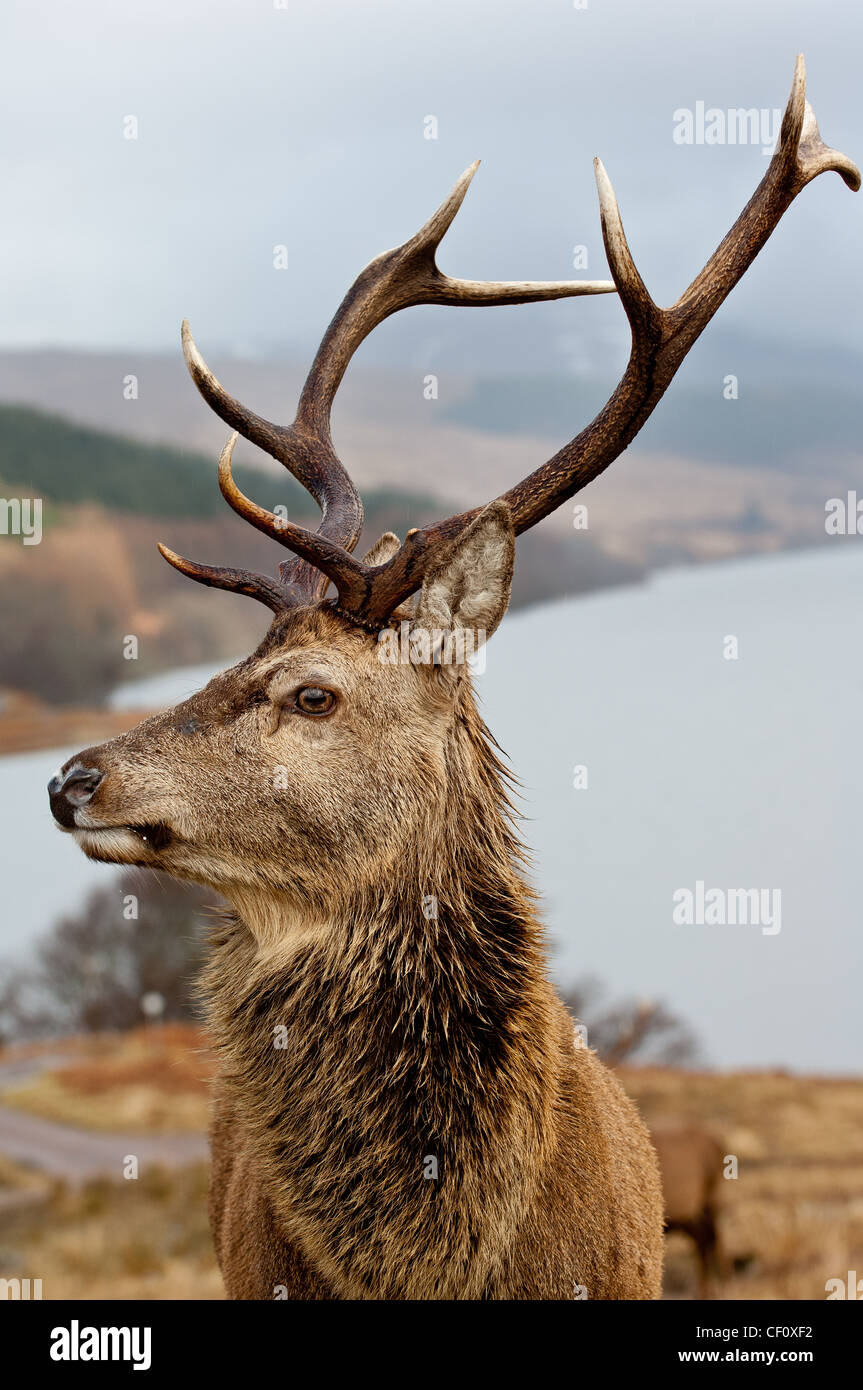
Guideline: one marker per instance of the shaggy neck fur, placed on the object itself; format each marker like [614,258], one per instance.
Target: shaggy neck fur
[405,1037]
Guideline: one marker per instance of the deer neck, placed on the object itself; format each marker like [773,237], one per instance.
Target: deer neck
[392,1064]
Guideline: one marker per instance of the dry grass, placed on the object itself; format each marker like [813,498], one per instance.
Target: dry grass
[143,1239]
[16,1178]
[153,1079]
[133,1106]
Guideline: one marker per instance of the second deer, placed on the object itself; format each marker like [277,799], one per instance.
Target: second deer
[690,1165]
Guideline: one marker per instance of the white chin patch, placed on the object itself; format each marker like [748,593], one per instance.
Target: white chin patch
[116,846]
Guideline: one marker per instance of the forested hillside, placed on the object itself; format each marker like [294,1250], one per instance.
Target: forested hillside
[47,456]
[68,604]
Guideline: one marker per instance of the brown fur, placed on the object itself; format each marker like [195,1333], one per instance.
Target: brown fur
[690,1164]
[385,934]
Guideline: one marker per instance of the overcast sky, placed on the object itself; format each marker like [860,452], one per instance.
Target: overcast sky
[304,126]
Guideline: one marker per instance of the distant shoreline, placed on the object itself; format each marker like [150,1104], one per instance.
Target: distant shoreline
[27,725]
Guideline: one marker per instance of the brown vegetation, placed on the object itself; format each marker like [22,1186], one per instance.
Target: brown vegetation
[150,1080]
[142,1239]
[28,723]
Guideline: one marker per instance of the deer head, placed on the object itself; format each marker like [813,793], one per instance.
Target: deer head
[315,748]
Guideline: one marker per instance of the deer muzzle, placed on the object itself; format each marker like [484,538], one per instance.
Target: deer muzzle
[71,788]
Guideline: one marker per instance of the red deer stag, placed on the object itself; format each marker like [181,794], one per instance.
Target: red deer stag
[401,1112]
[690,1166]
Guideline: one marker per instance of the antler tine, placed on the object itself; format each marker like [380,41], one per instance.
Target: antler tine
[256,586]
[326,559]
[800,156]
[397,279]
[644,316]
[660,340]
[312,461]
[400,279]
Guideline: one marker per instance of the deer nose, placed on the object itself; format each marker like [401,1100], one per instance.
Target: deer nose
[70,788]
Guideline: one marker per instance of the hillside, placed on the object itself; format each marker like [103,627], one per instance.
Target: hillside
[48,456]
[707,478]
[68,604]
[772,426]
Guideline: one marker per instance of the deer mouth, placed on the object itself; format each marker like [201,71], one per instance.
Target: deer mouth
[126,844]
[157,836]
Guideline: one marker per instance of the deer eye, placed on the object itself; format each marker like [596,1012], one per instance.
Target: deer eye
[313,699]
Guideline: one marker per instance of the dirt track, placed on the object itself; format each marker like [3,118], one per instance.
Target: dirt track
[78,1154]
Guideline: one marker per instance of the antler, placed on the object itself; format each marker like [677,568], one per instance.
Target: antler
[396,280]
[661,339]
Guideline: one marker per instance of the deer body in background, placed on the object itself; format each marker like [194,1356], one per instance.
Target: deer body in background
[401,1112]
[690,1165]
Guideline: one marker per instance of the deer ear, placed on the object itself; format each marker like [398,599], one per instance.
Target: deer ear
[468,588]
[383,549]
